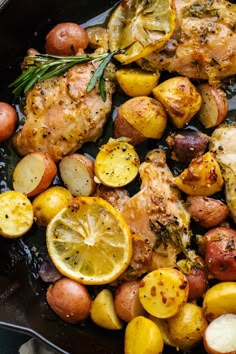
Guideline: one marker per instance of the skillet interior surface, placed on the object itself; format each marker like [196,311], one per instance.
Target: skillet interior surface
[24,24]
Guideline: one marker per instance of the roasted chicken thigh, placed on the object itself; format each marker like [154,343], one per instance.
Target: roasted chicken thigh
[61,116]
[157,217]
[204,43]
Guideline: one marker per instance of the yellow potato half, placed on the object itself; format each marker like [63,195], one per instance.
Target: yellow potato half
[137,82]
[220,299]
[163,292]
[143,336]
[16,214]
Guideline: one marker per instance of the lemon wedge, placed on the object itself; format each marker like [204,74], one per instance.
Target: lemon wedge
[139,27]
[89,241]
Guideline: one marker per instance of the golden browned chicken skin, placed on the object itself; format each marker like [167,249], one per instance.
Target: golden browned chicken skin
[61,116]
[204,43]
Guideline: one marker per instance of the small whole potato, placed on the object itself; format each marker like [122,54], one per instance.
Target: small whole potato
[66,39]
[187,327]
[197,277]
[187,144]
[207,212]
[220,253]
[48,203]
[8,120]
[127,303]
[69,299]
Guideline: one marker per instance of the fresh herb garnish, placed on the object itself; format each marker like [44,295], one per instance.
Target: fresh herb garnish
[42,67]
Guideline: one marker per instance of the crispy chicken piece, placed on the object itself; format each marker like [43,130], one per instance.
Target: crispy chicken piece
[61,116]
[204,43]
[222,142]
[157,217]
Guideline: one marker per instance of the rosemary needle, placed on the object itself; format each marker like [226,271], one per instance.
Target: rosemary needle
[42,67]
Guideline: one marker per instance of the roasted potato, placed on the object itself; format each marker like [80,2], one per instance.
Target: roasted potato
[16,214]
[127,303]
[48,203]
[217,343]
[136,82]
[163,292]
[116,164]
[197,277]
[66,39]
[140,118]
[202,177]
[220,253]
[69,299]
[214,106]
[77,174]
[207,212]
[103,311]
[8,121]
[187,327]
[143,336]
[34,173]
[219,299]
[187,144]
[180,98]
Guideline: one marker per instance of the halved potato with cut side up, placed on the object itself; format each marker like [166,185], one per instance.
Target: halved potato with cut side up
[16,214]
[216,342]
[117,163]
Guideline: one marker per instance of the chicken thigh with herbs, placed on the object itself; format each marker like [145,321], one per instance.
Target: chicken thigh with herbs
[157,217]
[204,43]
[61,116]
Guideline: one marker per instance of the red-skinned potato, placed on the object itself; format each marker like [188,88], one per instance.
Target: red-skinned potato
[216,342]
[127,303]
[187,144]
[207,212]
[198,283]
[8,120]
[123,128]
[214,105]
[66,39]
[220,253]
[77,173]
[197,277]
[140,118]
[69,300]
[34,173]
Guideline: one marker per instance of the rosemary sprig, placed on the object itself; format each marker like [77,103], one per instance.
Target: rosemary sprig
[42,67]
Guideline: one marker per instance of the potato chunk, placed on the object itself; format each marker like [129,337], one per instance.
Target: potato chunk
[202,177]
[180,99]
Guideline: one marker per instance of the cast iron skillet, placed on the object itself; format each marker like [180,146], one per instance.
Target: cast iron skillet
[24,24]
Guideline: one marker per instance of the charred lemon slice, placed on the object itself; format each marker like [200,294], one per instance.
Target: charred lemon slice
[139,27]
[89,241]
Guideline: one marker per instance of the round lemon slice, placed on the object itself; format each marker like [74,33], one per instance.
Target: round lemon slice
[139,27]
[89,241]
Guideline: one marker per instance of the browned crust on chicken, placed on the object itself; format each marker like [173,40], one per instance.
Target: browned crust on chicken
[61,116]
[204,43]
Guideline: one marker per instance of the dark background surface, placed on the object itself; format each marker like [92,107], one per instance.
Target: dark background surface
[24,24]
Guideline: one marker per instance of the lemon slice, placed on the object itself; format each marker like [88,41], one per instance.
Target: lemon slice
[89,241]
[140,26]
